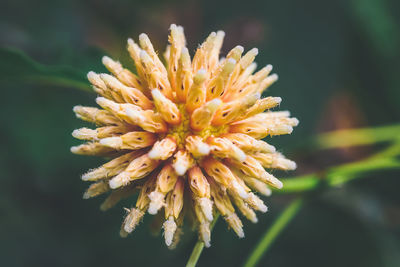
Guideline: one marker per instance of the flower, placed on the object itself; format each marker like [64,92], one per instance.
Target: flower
[185,135]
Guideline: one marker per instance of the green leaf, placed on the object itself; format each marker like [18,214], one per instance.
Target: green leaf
[16,66]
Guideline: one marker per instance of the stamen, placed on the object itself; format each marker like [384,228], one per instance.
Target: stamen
[148,120]
[218,171]
[253,168]
[95,115]
[111,168]
[131,140]
[231,111]
[130,95]
[182,162]
[138,168]
[124,75]
[238,80]
[248,143]
[198,183]
[85,134]
[110,105]
[91,149]
[257,185]
[146,45]
[196,94]
[96,189]
[267,82]
[256,203]
[169,230]
[114,142]
[239,189]
[216,86]
[206,207]
[275,160]
[132,219]
[236,224]
[184,75]
[177,41]
[168,110]
[166,179]
[248,58]
[260,126]
[195,145]
[224,148]
[163,149]
[156,202]
[202,116]
[205,233]
[261,105]
[235,53]
[174,202]
[262,74]
[134,52]
[95,79]
[245,209]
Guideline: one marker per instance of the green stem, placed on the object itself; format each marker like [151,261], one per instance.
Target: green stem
[354,137]
[391,151]
[272,233]
[198,248]
[298,184]
[347,172]
[194,257]
[337,175]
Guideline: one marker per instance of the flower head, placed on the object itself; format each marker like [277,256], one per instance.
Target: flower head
[184,135]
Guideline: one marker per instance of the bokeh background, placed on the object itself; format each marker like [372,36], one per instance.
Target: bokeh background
[338,63]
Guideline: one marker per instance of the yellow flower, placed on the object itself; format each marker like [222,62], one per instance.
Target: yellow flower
[184,134]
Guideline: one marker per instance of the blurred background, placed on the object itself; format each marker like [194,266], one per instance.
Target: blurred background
[338,63]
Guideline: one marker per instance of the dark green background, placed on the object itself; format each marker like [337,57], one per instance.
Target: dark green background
[338,63]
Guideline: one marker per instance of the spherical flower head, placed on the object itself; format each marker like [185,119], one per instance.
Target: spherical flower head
[185,134]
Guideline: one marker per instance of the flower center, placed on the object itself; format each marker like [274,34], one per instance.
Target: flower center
[183,129]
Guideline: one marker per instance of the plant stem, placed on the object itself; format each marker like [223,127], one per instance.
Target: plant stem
[272,233]
[337,175]
[347,172]
[194,257]
[356,137]
[350,137]
[198,248]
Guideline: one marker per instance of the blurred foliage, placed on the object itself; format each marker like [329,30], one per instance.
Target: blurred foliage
[18,67]
[338,65]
